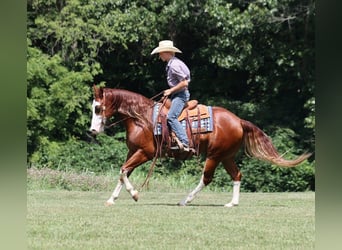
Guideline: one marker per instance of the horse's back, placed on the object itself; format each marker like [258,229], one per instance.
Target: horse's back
[226,118]
[228,132]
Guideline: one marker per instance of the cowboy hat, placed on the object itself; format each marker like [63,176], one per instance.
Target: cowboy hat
[165,45]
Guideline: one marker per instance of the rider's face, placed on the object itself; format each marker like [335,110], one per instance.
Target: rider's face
[165,56]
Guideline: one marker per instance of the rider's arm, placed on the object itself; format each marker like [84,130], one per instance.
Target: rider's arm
[181,85]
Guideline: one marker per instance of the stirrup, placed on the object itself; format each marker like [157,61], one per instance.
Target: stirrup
[181,147]
[179,144]
[174,147]
[186,148]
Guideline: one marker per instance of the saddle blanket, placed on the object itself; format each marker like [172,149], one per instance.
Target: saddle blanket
[205,124]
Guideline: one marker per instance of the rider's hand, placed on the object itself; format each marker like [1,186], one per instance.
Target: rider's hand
[167,92]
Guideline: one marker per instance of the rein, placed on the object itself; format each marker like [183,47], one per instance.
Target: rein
[158,149]
[117,122]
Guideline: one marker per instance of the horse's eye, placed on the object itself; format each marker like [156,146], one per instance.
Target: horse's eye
[97,109]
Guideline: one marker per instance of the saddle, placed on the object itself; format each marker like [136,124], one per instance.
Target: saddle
[192,110]
[195,118]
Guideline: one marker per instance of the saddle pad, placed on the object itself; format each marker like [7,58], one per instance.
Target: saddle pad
[204,125]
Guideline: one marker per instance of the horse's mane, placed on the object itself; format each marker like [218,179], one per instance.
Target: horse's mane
[131,104]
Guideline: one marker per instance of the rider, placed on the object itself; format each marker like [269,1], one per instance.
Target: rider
[178,78]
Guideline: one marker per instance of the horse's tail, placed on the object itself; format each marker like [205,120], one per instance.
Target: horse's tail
[259,145]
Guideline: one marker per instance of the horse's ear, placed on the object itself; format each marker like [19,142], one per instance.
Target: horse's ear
[98,92]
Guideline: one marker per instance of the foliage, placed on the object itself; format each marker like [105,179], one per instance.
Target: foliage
[57,100]
[255,58]
[260,176]
[108,156]
[81,156]
[50,179]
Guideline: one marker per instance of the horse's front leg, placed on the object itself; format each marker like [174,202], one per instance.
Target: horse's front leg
[115,193]
[129,187]
[133,160]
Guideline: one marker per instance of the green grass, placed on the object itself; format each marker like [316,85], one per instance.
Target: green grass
[59,219]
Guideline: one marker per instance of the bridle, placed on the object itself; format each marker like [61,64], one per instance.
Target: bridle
[102,111]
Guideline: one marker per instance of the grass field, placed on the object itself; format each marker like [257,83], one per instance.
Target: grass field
[79,220]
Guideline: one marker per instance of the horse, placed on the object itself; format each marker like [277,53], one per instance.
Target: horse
[219,146]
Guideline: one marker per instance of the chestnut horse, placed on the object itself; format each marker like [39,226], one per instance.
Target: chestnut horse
[220,145]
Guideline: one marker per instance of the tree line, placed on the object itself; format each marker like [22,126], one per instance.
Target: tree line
[255,58]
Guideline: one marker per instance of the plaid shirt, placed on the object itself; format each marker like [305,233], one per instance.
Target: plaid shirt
[176,71]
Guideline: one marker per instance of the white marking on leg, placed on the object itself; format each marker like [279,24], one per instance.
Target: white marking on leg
[115,193]
[193,194]
[129,186]
[236,195]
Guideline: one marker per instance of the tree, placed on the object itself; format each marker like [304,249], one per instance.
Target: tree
[57,100]
[252,57]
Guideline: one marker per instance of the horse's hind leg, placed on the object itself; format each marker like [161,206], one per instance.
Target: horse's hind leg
[192,195]
[206,178]
[234,172]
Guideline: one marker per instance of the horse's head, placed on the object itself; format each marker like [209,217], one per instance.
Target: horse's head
[98,120]
[108,102]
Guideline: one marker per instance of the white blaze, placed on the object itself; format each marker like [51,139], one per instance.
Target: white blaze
[97,121]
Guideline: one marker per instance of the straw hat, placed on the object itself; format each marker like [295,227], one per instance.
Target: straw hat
[165,45]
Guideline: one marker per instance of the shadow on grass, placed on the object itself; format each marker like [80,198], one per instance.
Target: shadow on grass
[176,205]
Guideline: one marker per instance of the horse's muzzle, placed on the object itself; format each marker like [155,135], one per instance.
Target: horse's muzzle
[91,134]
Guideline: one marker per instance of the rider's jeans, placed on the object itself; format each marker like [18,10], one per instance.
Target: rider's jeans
[178,102]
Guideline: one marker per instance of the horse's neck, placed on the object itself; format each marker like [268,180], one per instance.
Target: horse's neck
[132,105]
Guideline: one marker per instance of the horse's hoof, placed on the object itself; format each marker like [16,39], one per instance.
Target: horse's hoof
[182,204]
[109,203]
[230,204]
[135,195]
